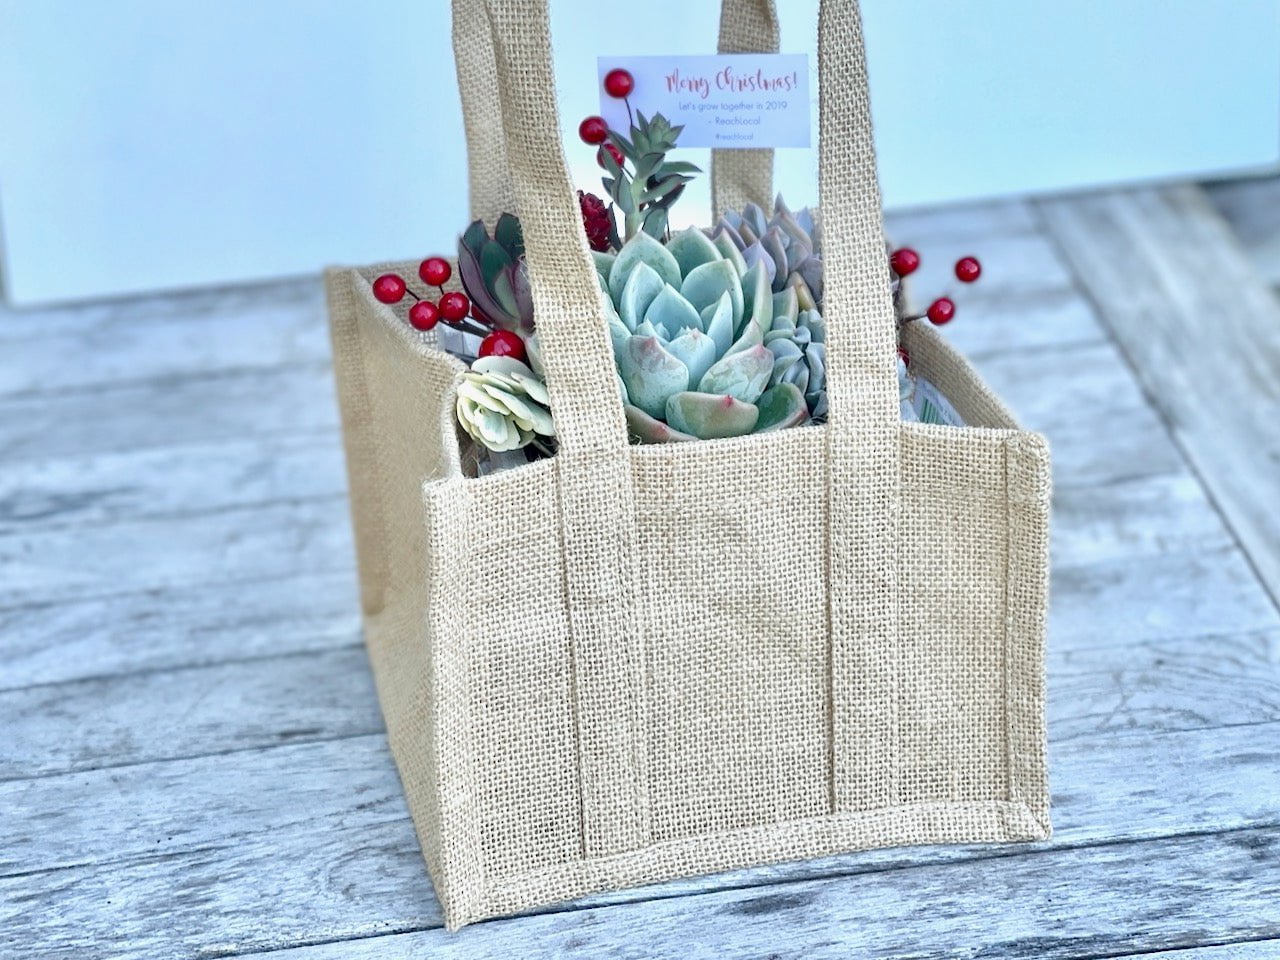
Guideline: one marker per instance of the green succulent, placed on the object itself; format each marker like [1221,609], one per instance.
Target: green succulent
[494,273]
[688,327]
[646,192]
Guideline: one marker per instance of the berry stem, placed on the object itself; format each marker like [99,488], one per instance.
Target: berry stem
[631,120]
[466,326]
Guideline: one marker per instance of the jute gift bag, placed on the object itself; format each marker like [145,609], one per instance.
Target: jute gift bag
[629,663]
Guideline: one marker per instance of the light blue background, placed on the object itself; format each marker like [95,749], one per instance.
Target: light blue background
[146,144]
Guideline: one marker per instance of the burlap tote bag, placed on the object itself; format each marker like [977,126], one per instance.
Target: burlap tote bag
[629,663]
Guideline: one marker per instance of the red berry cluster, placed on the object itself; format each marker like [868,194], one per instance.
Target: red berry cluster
[618,83]
[453,308]
[904,261]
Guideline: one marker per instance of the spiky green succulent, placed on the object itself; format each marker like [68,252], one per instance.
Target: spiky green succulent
[494,273]
[689,325]
[645,192]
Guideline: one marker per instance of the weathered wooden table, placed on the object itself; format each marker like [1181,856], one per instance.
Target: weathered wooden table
[192,759]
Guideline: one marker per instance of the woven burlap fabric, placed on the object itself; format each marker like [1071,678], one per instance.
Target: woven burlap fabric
[625,664]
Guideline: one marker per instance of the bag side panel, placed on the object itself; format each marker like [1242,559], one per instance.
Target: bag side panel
[733,606]
[519,660]
[395,399]
[971,687]
[951,742]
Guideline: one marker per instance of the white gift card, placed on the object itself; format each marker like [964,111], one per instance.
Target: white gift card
[743,100]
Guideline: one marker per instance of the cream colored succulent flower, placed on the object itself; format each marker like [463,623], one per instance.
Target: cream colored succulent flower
[503,405]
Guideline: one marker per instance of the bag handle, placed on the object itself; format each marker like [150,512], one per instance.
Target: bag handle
[737,176]
[861,331]
[597,498]
[742,176]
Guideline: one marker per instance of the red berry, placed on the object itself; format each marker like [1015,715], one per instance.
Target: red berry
[454,306]
[613,150]
[593,130]
[904,356]
[904,261]
[435,271]
[389,288]
[968,269]
[503,343]
[941,311]
[423,315]
[619,83]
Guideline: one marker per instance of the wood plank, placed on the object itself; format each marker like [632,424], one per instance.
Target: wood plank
[1137,517]
[1202,682]
[168,481]
[125,341]
[1019,265]
[319,694]
[1202,334]
[203,623]
[961,222]
[365,881]
[1155,782]
[1174,595]
[1092,902]
[275,540]
[119,313]
[1252,207]
[1249,950]
[991,324]
[1084,400]
[287,401]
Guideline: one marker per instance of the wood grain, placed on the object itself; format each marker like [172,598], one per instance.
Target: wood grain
[208,622]
[1066,902]
[168,481]
[316,695]
[289,401]
[322,828]
[1172,595]
[1202,334]
[276,540]
[196,333]
[1252,208]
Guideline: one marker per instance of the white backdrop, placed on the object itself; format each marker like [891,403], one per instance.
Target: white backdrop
[146,144]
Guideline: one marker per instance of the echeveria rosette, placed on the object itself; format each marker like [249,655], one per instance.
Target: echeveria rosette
[494,273]
[788,244]
[798,341]
[504,405]
[688,328]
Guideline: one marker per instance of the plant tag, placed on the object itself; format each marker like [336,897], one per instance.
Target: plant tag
[738,100]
